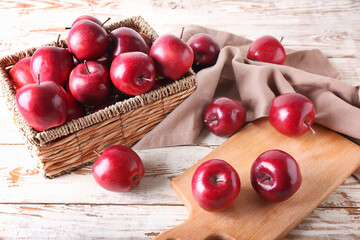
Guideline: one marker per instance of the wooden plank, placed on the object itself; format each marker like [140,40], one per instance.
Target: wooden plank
[40,221]
[20,181]
[325,25]
[296,36]
[142,222]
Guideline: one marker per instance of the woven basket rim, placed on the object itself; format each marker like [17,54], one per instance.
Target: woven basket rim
[44,137]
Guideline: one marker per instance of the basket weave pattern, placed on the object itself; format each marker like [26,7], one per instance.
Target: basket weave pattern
[71,146]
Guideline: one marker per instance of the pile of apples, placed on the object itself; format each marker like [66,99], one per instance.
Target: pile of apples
[275,175]
[57,85]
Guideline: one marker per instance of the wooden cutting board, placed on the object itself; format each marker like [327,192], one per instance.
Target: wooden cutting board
[325,159]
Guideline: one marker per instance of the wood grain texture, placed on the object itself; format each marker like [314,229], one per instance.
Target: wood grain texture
[137,222]
[331,26]
[322,172]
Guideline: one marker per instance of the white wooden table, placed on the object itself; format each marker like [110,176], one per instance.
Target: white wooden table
[74,206]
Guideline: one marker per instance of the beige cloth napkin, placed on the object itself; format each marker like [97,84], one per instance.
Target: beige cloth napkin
[255,84]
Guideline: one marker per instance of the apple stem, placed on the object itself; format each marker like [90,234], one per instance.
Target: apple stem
[105,21]
[57,41]
[264,179]
[67,28]
[145,79]
[182,32]
[97,153]
[86,66]
[313,131]
[210,120]
[219,180]
[135,178]
[38,79]
[281,38]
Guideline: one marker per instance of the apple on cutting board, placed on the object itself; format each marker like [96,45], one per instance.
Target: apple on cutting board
[215,185]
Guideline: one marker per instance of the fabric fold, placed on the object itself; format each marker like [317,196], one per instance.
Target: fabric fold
[255,84]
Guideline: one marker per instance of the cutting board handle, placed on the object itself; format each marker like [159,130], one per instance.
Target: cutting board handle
[188,231]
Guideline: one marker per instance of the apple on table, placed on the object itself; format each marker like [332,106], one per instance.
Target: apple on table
[292,114]
[267,49]
[224,116]
[206,50]
[118,169]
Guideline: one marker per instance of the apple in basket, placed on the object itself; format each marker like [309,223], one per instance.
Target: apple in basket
[125,40]
[89,83]
[75,109]
[20,74]
[118,169]
[172,56]
[87,17]
[133,73]
[52,64]
[42,105]
[87,40]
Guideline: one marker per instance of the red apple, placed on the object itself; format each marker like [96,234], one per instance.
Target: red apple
[118,169]
[206,50]
[89,83]
[133,73]
[215,185]
[267,49]
[52,64]
[87,40]
[275,175]
[292,114]
[172,56]
[20,74]
[42,105]
[224,116]
[75,110]
[87,17]
[125,40]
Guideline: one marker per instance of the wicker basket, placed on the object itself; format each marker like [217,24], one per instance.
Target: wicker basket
[71,146]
